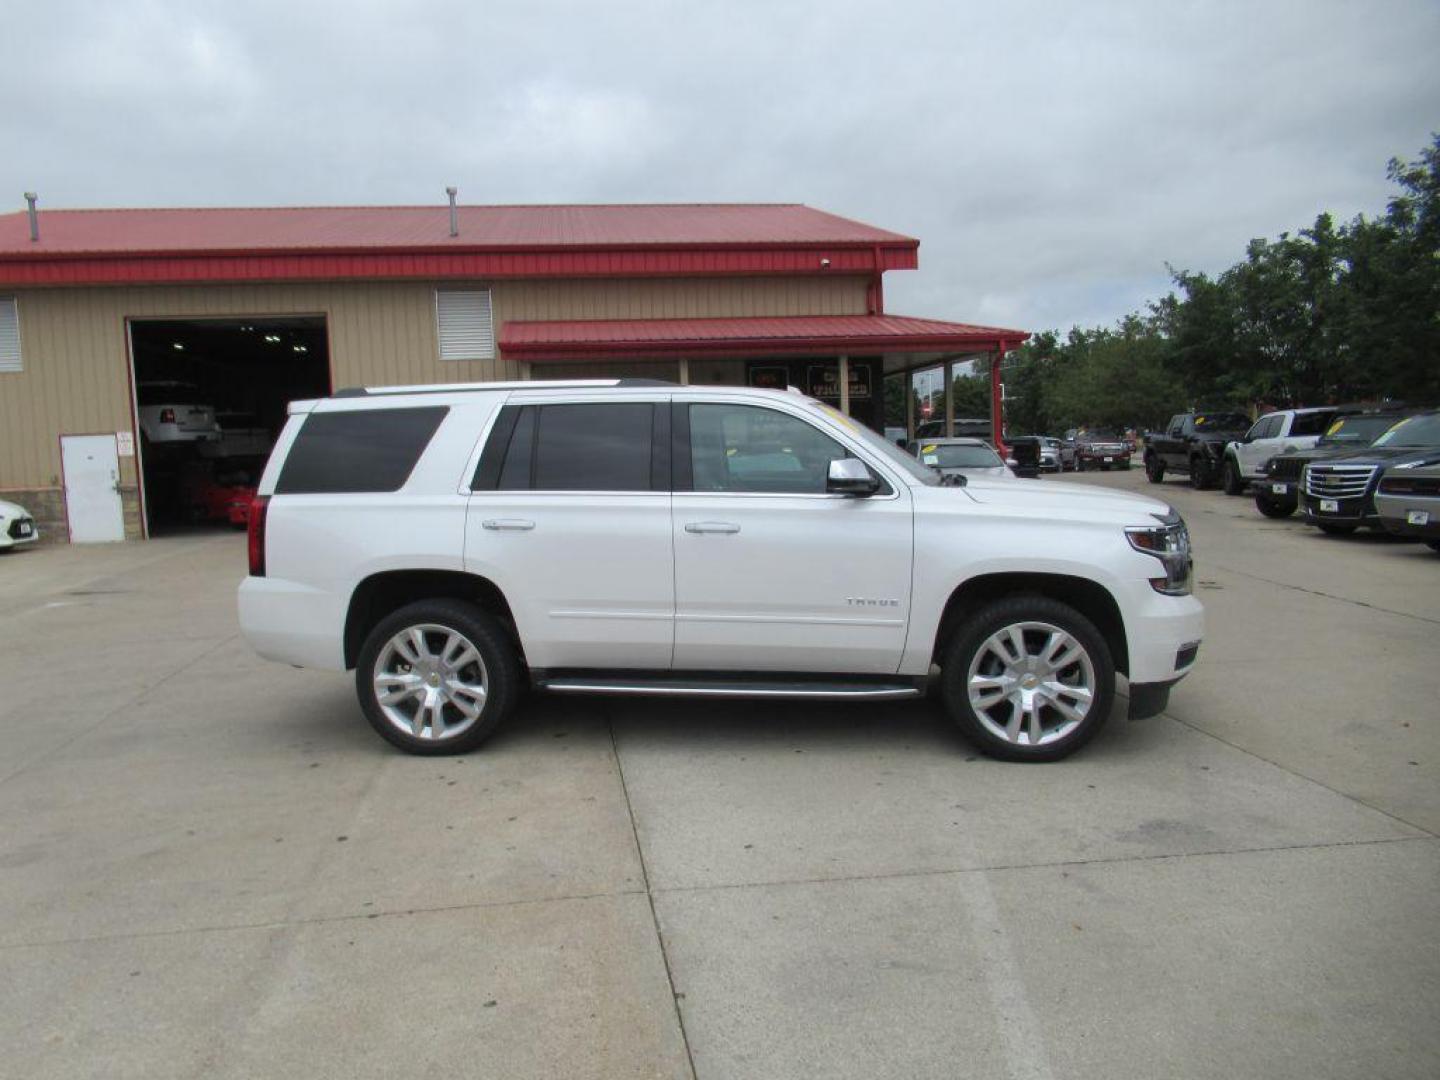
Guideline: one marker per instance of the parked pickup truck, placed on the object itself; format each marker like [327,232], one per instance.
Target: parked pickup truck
[1194,444]
[454,545]
[1274,433]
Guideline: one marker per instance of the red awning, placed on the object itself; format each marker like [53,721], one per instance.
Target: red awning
[791,334]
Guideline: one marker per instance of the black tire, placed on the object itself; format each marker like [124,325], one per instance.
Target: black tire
[500,673]
[1154,469]
[1079,466]
[1272,507]
[1230,478]
[1331,529]
[968,645]
[1200,477]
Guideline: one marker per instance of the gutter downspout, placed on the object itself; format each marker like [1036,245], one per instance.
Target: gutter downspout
[997,403]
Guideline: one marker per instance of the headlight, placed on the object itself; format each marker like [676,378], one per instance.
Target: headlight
[1170,543]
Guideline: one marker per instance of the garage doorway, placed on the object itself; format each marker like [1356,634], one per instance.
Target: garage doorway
[209,399]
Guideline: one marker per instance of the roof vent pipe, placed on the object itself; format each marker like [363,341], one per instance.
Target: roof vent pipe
[454,219]
[30,198]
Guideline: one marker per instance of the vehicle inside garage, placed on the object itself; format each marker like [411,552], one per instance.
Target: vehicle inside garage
[210,398]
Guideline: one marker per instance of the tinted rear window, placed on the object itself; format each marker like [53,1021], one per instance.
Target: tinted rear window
[370,450]
[594,447]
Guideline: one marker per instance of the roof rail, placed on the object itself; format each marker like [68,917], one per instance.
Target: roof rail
[527,384]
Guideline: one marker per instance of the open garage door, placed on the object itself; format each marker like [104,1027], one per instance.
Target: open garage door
[210,398]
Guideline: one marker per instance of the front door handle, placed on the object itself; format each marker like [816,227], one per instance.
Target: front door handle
[508,524]
[711,527]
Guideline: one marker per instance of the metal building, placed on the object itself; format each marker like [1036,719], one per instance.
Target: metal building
[104,313]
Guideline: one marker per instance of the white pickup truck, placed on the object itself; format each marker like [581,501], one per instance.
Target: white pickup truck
[451,544]
[1273,433]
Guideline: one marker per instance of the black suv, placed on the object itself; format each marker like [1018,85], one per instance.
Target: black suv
[1278,495]
[1338,493]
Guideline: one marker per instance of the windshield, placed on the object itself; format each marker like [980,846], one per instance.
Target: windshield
[1415,431]
[879,445]
[1099,436]
[959,456]
[1357,430]
[1222,422]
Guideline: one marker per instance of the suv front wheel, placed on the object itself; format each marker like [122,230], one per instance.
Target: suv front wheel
[1028,679]
[437,677]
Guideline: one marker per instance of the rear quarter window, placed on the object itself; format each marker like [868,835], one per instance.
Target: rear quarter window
[370,450]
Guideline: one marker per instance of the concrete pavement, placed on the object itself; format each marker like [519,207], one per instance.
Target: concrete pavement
[210,866]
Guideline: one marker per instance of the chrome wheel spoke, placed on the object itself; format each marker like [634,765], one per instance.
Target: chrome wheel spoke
[1017,716]
[468,699]
[1037,724]
[1067,710]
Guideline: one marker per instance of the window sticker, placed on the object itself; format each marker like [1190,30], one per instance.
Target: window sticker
[928,449]
[931,459]
[1335,427]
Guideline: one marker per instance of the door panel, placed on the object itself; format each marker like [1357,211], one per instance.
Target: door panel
[782,583]
[589,578]
[92,497]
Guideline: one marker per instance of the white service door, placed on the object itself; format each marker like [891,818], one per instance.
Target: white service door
[92,495]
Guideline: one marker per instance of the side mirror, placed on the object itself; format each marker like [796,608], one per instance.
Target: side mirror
[850,476]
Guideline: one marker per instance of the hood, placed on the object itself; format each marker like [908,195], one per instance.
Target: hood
[1385,455]
[12,510]
[1046,499]
[998,472]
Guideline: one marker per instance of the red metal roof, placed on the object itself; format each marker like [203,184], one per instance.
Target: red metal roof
[636,338]
[286,243]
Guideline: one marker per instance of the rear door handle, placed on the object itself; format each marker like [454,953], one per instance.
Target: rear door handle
[711,527]
[508,524]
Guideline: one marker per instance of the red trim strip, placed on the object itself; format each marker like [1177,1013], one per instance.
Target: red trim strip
[312,265]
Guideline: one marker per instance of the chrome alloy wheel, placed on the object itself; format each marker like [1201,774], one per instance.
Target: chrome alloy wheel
[1031,683]
[430,682]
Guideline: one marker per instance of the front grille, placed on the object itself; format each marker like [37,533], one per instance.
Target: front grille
[1428,486]
[1286,467]
[1338,481]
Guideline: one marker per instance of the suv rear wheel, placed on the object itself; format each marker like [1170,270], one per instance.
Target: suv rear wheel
[1154,469]
[1028,679]
[437,677]
[1199,473]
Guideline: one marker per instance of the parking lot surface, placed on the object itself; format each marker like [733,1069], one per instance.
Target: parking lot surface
[210,866]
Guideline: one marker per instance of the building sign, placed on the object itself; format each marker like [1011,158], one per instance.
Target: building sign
[770,378]
[125,443]
[823,381]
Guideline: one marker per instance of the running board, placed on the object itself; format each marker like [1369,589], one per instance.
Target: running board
[759,687]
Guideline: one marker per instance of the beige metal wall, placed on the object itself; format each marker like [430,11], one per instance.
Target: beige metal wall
[74,349]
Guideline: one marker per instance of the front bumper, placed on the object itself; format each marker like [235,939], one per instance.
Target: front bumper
[17,531]
[1395,512]
[1356,510]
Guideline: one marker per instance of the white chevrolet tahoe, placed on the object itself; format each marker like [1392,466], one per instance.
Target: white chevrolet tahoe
[454,544]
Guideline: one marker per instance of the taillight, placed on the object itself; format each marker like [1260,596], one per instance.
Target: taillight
[167,416]
[255,533]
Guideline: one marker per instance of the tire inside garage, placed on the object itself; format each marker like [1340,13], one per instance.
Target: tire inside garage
[210,396]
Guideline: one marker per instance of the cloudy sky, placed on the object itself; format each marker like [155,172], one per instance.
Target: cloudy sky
[1052,157]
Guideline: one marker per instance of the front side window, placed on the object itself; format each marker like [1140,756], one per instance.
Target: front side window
[960,456]
[746,448]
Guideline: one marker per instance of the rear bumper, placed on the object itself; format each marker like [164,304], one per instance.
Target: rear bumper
[292,623]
